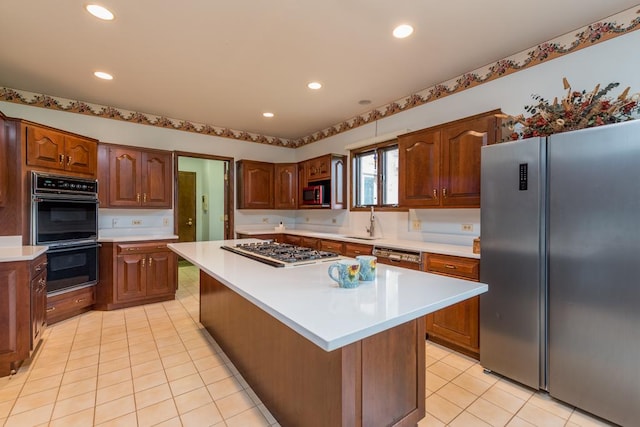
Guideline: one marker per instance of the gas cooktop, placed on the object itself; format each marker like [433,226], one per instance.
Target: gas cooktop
[281,254]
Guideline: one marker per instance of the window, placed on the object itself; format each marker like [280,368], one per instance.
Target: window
[375,175]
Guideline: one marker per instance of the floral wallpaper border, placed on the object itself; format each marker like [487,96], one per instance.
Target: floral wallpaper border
[616,25]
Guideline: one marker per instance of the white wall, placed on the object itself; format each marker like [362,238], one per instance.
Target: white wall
[615,60]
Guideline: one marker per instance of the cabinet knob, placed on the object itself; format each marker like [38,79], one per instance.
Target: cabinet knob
[190,222]
[435,193]
[150,261]
[68,160]
[79,300]
[144,197]
[444,193]
[61,159]
[450,266]
[144,261]
[50,309]
[138,197]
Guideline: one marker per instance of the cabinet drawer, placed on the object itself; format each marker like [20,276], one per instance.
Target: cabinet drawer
[465,268]
[69,304]
[38,265]
[135,248]
[332,246]
[355,249]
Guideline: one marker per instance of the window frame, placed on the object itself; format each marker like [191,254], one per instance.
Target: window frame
[378,149]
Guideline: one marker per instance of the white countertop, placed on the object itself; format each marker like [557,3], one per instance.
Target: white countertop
[136,238]
[414,245]
[308,301]
[21,253]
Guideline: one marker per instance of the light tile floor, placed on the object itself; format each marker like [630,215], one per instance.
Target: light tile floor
[155,365]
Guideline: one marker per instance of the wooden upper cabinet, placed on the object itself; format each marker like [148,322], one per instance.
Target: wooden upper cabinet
[440,166]
[135,178]
[318,168]
[460,175]
[156,179]
[256,185]
[286,186]
[4,167]
[49,149]
[419,169]
[125,186]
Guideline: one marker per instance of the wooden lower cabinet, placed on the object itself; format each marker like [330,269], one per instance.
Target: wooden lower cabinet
[377,381]
[69,304]
[457,326]
[332,246]
[135,273]
[21,310]
[354,249]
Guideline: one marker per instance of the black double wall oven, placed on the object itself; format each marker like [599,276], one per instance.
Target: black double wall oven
[64,217]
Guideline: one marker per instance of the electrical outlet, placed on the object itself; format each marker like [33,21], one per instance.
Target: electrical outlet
[333,220]
[466,227]
[306,219]
[136,222]
[114,222]
[416,225]
[265,220]
[165,221]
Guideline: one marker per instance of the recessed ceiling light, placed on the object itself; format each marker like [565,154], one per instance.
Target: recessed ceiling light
[314,85]
[402,31]
[268,114]
[100,12]
[102,75]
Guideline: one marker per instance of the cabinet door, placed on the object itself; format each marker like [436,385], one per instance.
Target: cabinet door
[156,179]
[457,324]
[124,177]
[38,307]
[318,168]
[14,314]
[286,186]
[131,277]
[45,148]
[302,182]
[256,187]
[460,175]
[419,169]
[161,273]
[81,155]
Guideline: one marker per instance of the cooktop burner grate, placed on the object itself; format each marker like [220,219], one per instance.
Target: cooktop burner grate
[281,254]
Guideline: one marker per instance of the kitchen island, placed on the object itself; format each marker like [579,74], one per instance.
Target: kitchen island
[317,354]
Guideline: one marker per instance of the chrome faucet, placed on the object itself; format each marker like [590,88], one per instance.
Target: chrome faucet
[372,223]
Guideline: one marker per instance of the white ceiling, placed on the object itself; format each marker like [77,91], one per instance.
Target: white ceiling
[225,62]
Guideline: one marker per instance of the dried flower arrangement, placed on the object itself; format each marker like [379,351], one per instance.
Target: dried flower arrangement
[577,110]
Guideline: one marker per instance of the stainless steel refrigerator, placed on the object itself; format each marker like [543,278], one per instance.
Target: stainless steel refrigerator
[560,251]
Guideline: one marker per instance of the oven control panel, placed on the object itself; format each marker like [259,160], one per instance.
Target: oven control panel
[57,184]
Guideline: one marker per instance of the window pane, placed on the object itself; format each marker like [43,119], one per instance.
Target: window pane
[390,185]
[367,182]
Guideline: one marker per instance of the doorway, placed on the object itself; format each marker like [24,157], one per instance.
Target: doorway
[204,197]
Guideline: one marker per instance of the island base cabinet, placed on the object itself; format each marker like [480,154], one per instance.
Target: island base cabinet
[377,381]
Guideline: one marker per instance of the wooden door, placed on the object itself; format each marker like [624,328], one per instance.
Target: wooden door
[186,206]
[419,169]
[461,145]
[124,178]
[81,155]
[131,277]
[286,186]
[45,148]
[156,179]
[160,267]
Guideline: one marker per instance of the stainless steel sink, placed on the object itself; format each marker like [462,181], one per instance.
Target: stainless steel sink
[362,237]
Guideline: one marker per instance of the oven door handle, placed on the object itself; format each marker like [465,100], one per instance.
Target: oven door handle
[68,248]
